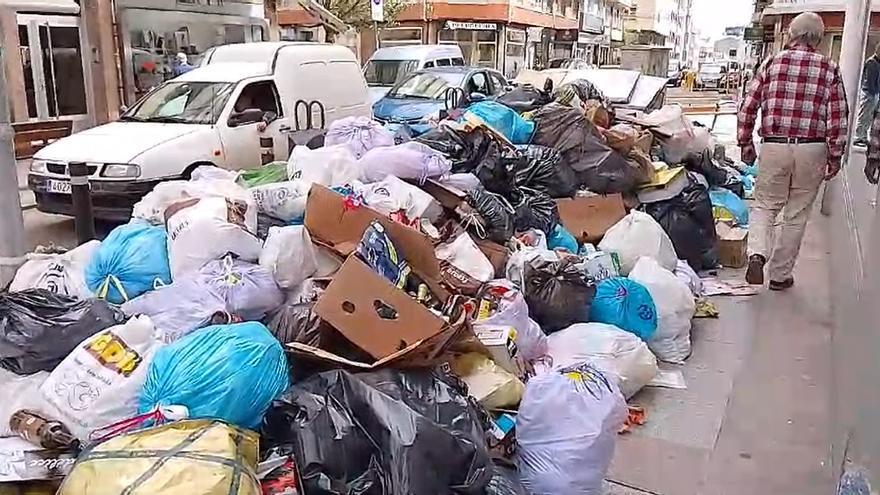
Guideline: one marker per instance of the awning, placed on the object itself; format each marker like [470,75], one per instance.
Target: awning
[53,6]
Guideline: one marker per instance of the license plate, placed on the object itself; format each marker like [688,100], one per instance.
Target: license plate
[58,186]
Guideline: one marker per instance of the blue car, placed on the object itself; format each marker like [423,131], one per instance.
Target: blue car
[422,95]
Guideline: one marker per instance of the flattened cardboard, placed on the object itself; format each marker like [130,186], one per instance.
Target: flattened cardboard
[350,304]
[589,218]
[341,228]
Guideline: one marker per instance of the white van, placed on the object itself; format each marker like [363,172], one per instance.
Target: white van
[234,111]
[389,65]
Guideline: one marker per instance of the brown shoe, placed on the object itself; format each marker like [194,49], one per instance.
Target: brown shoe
[785,284]
[755,273]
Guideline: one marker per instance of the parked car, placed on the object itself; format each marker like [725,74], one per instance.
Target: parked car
[568,63]
[710,76]
[389,65]
[674,77]
[232,112]
[421,96]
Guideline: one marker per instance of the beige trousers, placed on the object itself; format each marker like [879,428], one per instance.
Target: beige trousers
[789,176]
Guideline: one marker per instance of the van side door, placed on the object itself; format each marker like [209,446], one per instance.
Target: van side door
[251,131]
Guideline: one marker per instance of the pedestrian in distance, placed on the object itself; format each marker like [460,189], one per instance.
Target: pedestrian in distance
[181,65]
[872,161]
[803,130]
[869,97]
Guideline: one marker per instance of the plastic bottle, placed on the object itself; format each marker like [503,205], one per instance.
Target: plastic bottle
[41,431]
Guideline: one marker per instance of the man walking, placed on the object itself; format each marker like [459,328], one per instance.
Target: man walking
[804,130]
[869,96]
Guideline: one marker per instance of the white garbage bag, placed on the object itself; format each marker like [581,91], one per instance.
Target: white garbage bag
[464,254]
[62,274]
[686,274]
[684,138]
[328,166]
[361,134]
[19,392]
[512,311]
[99,382]
[206,182]
[289,254]
[205,229]
[392,195]
[638,234]
[675,309]
[566,430]
[616,352]
[282,200]
[412,160]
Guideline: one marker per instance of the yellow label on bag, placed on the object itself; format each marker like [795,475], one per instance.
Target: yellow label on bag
[114,354]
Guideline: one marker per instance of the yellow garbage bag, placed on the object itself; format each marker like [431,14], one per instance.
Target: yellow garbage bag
[487,382]
[182,458]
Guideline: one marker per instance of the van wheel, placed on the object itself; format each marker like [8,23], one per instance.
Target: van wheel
[187,174]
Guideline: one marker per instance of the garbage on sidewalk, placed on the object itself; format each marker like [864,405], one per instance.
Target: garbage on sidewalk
[463,312]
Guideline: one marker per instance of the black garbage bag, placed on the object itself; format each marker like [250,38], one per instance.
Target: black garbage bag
[505,480]
[296,323]
[39,328]
[541,168]
[704,163]
[445,140]
[605,171]
[524,98]
[534,210]
[688,220]
[384,432]
[557,292]
[494,170]
[492,216]
[562,128]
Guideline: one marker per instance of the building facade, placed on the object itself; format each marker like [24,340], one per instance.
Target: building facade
[82,60]
[665,23]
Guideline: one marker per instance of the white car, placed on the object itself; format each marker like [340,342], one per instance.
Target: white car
[234,112]
[390,65]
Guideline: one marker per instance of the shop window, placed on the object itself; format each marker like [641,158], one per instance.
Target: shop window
[486,36]
[486,52]
[400,36]
[62,70]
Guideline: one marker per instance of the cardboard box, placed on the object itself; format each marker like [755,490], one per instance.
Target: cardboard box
[589,218]
[733,243]
[500,345]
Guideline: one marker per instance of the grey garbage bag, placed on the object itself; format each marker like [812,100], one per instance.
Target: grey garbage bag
[605,171]
[558,292]
[384,432]
[505,480]
[534,210]
[562,128]
[541,168]
[39,328]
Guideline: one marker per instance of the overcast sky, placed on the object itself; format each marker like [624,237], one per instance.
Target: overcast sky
[712,16]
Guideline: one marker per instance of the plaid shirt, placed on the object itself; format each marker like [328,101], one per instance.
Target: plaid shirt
[800,95]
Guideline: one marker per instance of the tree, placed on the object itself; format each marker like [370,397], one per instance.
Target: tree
[356,13]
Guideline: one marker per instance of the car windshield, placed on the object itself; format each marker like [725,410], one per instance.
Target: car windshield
[428,85]
[388,72]
[182,102]
[711,69]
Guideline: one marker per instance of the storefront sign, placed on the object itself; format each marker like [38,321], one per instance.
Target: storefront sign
[472,26]
[377,10]
[534,33]
[566,35]
[515,36]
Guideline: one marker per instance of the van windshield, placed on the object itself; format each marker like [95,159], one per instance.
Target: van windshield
[182,103]
[428,85]
[388,72]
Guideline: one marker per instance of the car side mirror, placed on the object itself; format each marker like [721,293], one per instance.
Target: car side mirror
[246,116]
[475,97]
[122,109]
[509,87]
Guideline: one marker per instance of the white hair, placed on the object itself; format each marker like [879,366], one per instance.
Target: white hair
[181,57]
[807,28]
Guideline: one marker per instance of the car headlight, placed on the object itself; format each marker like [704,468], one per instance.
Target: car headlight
[120,171]
[39,167]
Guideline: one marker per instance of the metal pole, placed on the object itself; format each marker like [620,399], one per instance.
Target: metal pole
[81,196]
[12,244]
[852,56]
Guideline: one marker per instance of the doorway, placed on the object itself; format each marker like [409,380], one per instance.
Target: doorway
[53,66]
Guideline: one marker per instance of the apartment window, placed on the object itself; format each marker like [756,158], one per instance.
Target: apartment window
[400,36]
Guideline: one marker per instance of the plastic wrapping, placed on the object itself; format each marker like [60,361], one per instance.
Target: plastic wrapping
[493,216]
[560,238]
[512,311]
[38,328]
[726,205]
[62,274]
[392,195]
[675,309]
[379,252]
[505,481]
[464,254]
[328,166]
[690,224]
[625,304]
[19,392]
[184,457]
[289,255]
[269,173]
[502,120]
[557,292]
[534,210]
[361,134]
[228,372]
[680,138]
[524,98]
[284,200]
[686,274]
[636,235]
[566,430]
[99,382]
[385,432]
[492,386]
[616,353]
[541,168]
[412,160]
[132,260]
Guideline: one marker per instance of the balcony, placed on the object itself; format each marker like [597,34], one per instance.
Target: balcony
[592,24]
[623,3]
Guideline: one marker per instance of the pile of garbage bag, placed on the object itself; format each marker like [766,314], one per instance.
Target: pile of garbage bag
[463,312]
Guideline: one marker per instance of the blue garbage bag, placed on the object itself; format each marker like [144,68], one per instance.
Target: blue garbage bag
[625,304]
[562,238]
[726,199]
[227,372]
[503,120]
[132,260]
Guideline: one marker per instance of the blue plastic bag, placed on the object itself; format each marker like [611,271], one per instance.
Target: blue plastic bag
[227,372]
[502,120]
[625,304]
[132,260]
[561,238]
[726,199]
